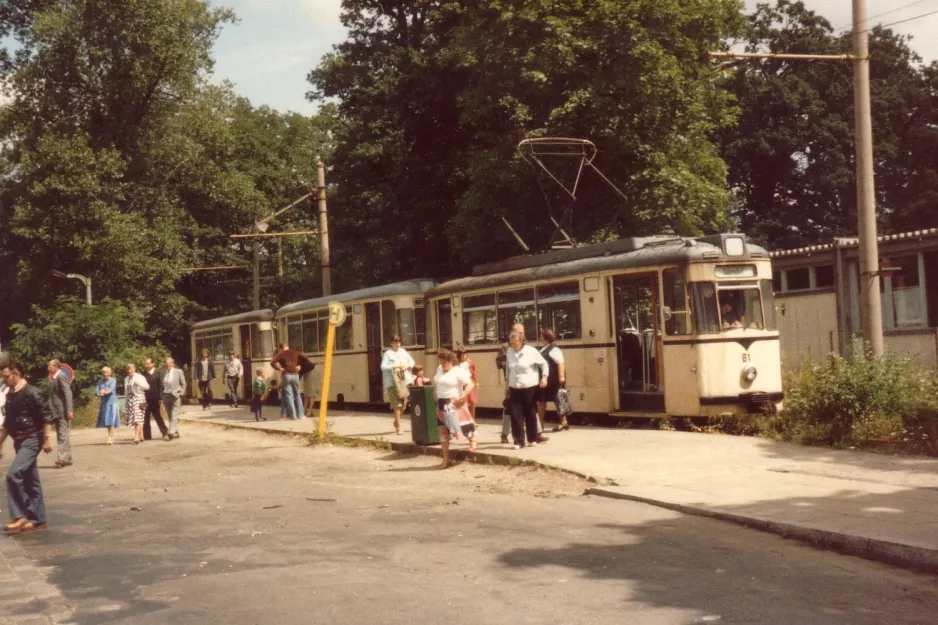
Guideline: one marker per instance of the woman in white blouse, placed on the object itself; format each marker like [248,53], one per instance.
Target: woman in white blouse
[527,372]
[135,387]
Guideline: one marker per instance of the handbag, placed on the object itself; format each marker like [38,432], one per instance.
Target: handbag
[400,385]
[563,403]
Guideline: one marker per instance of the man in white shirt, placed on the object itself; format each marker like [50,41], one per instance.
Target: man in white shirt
[234,370]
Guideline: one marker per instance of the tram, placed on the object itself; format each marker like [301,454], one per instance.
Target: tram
[374,316]
[249,335]
[683,327]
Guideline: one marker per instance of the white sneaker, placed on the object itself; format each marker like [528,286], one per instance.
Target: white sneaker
[532,444]
[516,446]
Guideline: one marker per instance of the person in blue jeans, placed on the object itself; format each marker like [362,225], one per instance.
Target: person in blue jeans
[290,363]
[28,420]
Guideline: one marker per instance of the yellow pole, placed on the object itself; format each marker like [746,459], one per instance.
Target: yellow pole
[326,374]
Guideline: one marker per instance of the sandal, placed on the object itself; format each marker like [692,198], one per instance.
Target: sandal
[561,428]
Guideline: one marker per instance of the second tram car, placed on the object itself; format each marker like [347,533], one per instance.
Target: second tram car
[249,335]
[675,326]
[374,316]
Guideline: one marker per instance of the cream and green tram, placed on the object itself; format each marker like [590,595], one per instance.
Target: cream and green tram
[249,335]
[647,326]
[374,316]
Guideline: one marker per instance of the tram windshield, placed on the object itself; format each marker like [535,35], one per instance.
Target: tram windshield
[729,307]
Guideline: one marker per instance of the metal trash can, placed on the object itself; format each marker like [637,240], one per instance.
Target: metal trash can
[423,416]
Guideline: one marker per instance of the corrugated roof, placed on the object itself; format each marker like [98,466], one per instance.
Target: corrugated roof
[854,242]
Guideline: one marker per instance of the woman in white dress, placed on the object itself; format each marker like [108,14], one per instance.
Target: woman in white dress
[135,387]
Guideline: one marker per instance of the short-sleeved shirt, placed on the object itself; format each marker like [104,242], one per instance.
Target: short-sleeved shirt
[449,384]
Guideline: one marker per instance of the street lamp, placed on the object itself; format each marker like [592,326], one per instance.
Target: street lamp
[77,276]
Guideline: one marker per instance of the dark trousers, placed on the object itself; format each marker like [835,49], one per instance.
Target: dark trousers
[153,408]
[205,393]
[232,382]
[23,488]
[523,402]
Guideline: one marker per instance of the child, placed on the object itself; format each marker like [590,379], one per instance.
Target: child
[419,378]
[259,387]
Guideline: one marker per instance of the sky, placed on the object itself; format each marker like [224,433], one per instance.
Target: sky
[268,54]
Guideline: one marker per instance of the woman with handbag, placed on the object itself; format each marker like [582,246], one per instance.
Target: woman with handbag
[397,366]
[556,379]
[451,386]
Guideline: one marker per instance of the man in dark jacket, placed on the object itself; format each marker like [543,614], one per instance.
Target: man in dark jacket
[154,397]
[28,421]
[60,402]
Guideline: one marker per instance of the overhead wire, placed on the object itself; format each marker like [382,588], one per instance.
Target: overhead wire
[889,12]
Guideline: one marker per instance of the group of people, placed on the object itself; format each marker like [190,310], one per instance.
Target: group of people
[145,392]
[533,378]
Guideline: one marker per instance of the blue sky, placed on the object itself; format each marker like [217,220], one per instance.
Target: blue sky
[268,54]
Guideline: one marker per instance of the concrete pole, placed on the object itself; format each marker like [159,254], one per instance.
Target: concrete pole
[871,312]
[256,299]
[324,230]
[87,282]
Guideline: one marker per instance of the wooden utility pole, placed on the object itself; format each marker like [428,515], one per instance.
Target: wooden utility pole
[323,229]
[871,311]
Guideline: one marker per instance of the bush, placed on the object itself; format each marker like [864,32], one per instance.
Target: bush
[859,399]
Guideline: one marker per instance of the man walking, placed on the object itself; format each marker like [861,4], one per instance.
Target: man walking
[155,380]
[29,423]
[204,374]
[234,370]
[60,402]
[173,386]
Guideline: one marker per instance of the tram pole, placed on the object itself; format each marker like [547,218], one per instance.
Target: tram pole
[871,312]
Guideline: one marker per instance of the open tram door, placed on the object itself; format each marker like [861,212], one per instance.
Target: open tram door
[374,347]
[638,343]
[247,362]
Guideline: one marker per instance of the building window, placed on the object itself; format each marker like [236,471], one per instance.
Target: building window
[904,286]
[798,279]
[824,277]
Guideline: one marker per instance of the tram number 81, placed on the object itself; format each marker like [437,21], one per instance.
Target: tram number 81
[745,357]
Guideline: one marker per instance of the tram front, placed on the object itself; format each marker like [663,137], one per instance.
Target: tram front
[726,358]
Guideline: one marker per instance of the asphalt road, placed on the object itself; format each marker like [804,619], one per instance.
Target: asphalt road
[240,528]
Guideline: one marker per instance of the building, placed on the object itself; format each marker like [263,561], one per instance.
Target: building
[817,297]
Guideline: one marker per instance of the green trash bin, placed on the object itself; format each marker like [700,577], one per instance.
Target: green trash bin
[423,416]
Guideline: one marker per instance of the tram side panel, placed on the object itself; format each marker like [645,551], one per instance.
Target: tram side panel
[682,364]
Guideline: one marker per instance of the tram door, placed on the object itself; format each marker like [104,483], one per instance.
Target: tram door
[373,339]
[635,300]
[245,331]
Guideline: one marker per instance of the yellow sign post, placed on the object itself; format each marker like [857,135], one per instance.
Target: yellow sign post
[337,316]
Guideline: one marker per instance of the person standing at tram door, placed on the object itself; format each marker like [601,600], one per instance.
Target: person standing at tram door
[556,378]
[527,371]
[397,368]
[204,374]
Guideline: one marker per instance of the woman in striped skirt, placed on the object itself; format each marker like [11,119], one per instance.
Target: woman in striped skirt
[135,387]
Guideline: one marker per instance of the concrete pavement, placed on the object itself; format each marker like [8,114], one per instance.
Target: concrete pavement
[875,506]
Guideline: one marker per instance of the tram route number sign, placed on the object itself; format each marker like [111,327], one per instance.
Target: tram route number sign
[337,314]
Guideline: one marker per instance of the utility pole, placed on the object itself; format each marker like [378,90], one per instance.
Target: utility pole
[323,229]
[871,312]
[256,296]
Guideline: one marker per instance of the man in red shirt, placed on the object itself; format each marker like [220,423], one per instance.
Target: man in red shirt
[291,363]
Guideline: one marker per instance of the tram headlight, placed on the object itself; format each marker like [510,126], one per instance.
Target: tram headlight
[749,374]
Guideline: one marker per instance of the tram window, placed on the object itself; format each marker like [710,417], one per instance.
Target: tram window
[740,308]
[310,334]
[558,308]
[479,322]
[388,320]
[420,325]
[405,321]
[704,298]
[675,298]
[444,315]
[517,307]
[768,304]
[322,327]
[295,333]
[343,334]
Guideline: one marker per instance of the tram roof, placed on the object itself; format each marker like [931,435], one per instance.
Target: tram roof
[255,315]
[407,287]
[651,252]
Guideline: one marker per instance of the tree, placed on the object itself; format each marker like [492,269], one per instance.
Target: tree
[434,96]
[792,156]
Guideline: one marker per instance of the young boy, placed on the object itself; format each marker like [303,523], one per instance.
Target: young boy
[419,378]
[259,387]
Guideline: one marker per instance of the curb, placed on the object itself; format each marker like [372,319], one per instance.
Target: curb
[476,457]
[920,559]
